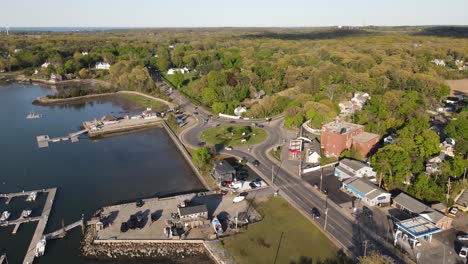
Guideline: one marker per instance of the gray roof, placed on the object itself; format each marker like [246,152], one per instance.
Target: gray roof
[369,189]
[196,209]
[345,171]
[354,164]
[223,166]
[463,199]
[415,206]
[365,137]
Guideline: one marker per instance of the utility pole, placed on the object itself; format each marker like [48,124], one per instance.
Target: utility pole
[448,189]
[326,218]
[464,174]
[365,247]
[321,176]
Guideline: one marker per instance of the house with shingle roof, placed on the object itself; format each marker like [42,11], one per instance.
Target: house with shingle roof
[348,168]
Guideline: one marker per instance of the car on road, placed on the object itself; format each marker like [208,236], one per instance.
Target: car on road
[260,126]
[228,148]
[462,237]
[453,211]
[195,113]
[463,252]
[217,125]
[232,121]
[256,163]
[315,213]
[201,143]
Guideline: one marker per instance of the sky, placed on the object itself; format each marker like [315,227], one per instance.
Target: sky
[233,13]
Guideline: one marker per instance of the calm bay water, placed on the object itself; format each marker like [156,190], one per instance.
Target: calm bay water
[89,174]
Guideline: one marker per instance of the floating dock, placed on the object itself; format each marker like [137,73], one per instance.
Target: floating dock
[10,196]
[63,231]
[30,254]
[43,140]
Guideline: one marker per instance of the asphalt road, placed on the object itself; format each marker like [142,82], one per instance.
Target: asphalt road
[352,235]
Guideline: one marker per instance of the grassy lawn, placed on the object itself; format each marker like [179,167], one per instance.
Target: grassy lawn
[143,102]
[259,243]
[276,153]
[232,135]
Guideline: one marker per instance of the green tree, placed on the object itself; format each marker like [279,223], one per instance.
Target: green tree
[178,79]
[219,107]
[458,130]
[374,258]
[83,73]
[201,157]
[393,163]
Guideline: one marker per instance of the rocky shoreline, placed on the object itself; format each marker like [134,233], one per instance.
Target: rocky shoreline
[165,252]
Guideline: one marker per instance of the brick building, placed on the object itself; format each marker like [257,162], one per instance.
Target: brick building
[338,136]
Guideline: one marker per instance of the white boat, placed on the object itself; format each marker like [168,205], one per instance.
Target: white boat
[26,213]
[40,247]
[5,216]
[33,115]
[238,199]
[32,197]
[218,228]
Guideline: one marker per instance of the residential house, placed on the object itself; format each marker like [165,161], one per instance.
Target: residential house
[313,152]
[181,70]
[17,50]
[356,103]
[259,94]
[84,53]
[45,64]
[240,110]
[223,171]
[368,192]
[432,165]
[348,168]
[390,139]
[196,211]
[338,136]
[55,77]
[438,62]
[409,204]
[103,66]
[346,108]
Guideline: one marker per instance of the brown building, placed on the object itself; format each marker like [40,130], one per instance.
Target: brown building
[338,136]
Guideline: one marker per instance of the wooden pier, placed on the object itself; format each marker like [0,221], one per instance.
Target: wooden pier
[44,140]
[61,233]
[38,234]
[10,196]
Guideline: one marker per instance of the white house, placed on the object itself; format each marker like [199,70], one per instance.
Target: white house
[84,53]
[45,64]
[313,157]
[359,99]
[17,50]
[239,110]
[174,70]
[348,168]
[103,66]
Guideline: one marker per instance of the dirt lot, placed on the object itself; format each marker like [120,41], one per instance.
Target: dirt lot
[458,87]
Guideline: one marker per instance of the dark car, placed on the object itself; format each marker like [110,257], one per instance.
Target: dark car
[124,227]
[315,213]
[256,163]
[140,203]
[195,113]
[367,212]
[201,144]
[232,122]
[252,185]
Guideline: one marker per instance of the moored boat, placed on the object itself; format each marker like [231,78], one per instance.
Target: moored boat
[32,197]
[40,247]
[5,216]
[218,228]
[26,213]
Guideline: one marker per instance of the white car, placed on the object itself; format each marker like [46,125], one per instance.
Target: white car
[235,185]
[463,252]
[228,148]
[462,237]
[453,211]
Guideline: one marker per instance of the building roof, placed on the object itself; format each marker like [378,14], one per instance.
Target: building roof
[365,137]
[418,227]
[415,206]
[341,127]
[190,210]
[462,200]
[365,187]
[223,166]
[108,118]
[354,164]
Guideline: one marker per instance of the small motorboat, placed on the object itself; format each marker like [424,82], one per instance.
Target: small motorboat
[26,213]
[40,247]
[218,228]
[238,199]
[5,216]
[33,115]
[32,197]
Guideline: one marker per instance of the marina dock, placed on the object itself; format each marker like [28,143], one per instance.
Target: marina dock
[63,231]
[30,254]
[44,140]
[120,126]
[10,196]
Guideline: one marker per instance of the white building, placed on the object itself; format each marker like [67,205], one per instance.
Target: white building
[356,103]
[348,168]
[369,193]
[17,50]
[45,64]
[174,70]
[103,66]
[239,110]
[84,53]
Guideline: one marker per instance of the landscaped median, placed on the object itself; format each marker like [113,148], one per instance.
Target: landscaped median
[301,241]
[235,135]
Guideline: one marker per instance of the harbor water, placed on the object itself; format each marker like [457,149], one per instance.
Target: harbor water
[89,174]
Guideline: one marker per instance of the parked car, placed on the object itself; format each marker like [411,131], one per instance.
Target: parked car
[232,121]
[124,227]
[235,185]
[256,183]
[252,185]
[201,144]
[256,163]
[228,148]
[463,252]
[315,213]
[140,203]
[462,237]
[453,211]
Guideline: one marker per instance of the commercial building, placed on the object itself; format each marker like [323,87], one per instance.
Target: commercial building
[368,192]
[339,136]
[348,168]
[414,207]
[193,211]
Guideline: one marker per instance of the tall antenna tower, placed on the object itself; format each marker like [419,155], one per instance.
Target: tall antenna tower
[7,30]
